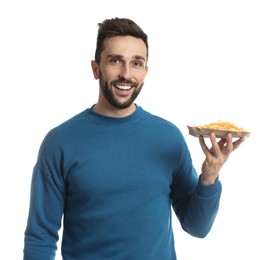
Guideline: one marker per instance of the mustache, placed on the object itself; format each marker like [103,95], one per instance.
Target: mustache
[124,81]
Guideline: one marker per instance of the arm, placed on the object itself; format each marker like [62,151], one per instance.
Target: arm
[196,199]
[46,209]
[195,204]
[44,220]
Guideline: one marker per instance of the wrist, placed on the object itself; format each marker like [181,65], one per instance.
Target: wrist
[208,180]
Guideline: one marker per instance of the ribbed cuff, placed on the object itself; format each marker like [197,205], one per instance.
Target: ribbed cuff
[207,191]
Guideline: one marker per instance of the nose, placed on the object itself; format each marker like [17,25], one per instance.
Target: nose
[125,71]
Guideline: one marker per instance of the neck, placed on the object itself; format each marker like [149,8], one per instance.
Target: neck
[112,111]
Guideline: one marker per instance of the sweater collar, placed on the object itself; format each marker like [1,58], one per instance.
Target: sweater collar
[136,115]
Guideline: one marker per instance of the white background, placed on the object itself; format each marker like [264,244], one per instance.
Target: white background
[209,60]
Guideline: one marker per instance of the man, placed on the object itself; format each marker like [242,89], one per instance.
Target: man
[114,171]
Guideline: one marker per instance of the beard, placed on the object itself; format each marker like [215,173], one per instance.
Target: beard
[110,97]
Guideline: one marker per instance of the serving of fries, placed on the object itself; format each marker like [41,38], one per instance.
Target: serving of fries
[220,128]
[222,125]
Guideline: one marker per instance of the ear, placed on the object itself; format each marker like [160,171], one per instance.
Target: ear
[95,69]
[146,70]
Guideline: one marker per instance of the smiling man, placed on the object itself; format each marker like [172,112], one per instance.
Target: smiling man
[121,71]
[114,172]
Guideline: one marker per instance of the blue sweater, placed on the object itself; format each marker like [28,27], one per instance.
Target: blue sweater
[113,181]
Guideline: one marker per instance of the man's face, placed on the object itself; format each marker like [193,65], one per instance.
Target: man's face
[121,71]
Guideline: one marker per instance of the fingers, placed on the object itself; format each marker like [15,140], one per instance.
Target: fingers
[237,143]
[216,146]
[224,145]
[222,142]
[229,143]
[203,145]
[233,145]
[215,149]
[218,154]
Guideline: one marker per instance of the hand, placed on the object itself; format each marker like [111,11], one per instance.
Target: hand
[216,156]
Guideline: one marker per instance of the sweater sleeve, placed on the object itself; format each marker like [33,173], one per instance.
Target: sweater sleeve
[45,210]
[195,205]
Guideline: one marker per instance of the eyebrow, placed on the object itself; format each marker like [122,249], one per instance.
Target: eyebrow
[117,56]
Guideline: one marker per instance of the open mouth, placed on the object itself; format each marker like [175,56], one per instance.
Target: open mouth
[122,87]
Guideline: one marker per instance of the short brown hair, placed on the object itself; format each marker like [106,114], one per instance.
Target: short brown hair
[118,27]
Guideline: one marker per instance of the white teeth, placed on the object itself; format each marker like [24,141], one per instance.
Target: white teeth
[123,87]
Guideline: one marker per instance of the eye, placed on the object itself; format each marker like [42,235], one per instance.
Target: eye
[114,61]
[138,64]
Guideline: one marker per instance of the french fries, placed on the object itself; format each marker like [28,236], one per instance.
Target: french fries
[222,125]
[220,128]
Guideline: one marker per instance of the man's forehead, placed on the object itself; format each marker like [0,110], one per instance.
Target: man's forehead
[125,46]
